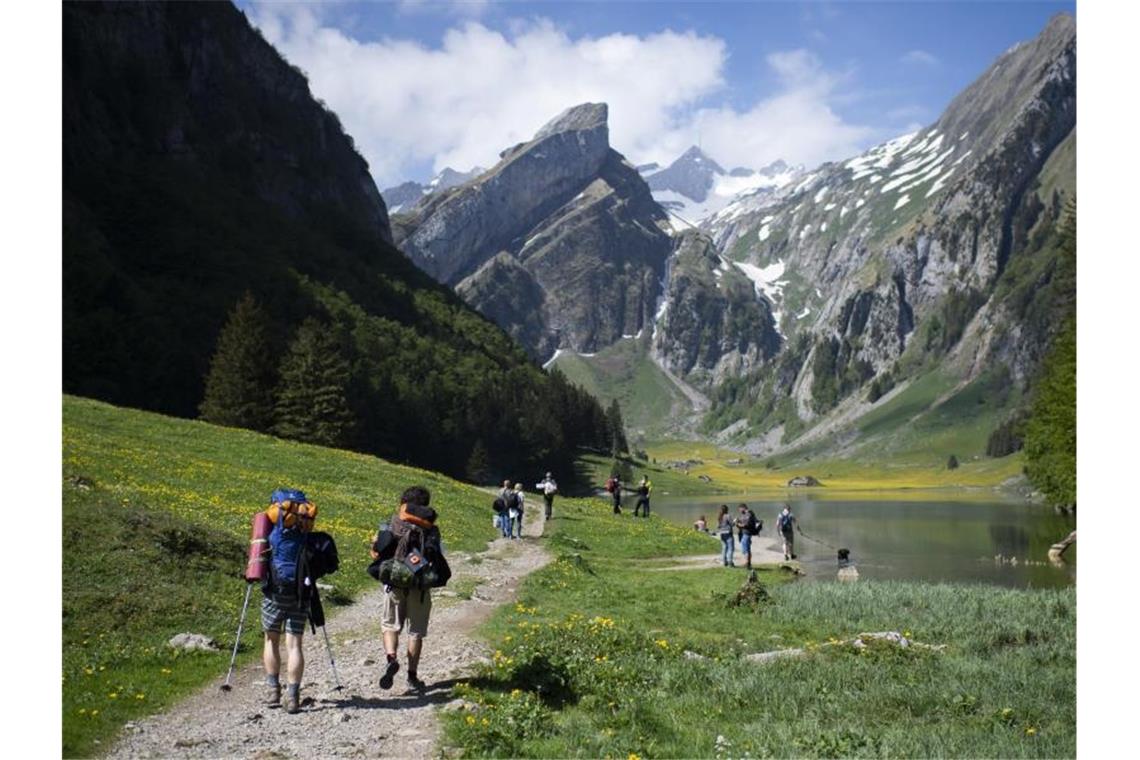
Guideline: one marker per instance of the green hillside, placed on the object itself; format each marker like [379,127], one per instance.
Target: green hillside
[651,403]
[156,515]
[187,186]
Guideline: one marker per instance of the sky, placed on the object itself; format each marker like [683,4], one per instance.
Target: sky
[425,85]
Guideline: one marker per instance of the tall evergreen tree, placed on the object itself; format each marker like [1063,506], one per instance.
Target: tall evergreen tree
[312,399]
[478,463]
[239,384]
[618,443]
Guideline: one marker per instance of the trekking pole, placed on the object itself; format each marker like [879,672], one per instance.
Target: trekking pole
[332,662]
[241,622]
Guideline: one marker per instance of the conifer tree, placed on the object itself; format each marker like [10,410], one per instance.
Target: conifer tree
[478,468]
[239,384]
[312,399]
[618,444]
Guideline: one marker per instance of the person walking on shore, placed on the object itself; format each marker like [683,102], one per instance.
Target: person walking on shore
[547,488]
[747,526]
[613,485]
[643,490]
[724,525]
[786,524]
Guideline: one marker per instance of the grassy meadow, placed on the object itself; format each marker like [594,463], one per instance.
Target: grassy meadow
[607,655]
[610,651]
[156,516]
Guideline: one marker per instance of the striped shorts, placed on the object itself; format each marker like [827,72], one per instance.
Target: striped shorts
[289,614]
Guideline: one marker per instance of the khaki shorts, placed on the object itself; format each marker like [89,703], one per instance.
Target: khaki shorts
[405,604]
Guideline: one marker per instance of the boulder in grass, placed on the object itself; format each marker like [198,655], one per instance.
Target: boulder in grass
[800,481]
[192,641]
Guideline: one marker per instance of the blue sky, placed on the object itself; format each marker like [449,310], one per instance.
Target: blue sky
[421,85]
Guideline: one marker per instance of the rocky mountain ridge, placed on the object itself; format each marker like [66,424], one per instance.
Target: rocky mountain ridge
[563,219]
[898,258]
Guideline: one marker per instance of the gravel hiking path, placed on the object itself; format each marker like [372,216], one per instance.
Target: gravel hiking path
[360,720]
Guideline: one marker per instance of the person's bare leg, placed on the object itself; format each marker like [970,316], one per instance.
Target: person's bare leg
[415,646]
[296,657]
[270,656]
[391,648]
[271,659]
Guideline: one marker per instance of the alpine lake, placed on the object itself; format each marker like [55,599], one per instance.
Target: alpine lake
[931,536]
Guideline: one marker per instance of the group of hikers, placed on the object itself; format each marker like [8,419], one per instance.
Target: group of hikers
[510,505]
[287,557]
[746,525]
[614,487]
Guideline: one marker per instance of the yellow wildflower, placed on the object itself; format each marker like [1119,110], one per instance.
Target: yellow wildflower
[113,695]
[1030,731]
[471,720]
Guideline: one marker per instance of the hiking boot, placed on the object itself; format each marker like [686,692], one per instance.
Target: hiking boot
[293,702]
[415,684]
[273,695]
[389,674]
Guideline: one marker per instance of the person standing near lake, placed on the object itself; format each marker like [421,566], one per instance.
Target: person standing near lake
[786,524]
[643,490]
[547,488]
[746,528]
[724,524]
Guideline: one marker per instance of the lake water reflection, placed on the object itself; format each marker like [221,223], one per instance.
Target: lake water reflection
[934,539]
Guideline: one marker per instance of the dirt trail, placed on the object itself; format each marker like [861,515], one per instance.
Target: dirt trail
[361,720]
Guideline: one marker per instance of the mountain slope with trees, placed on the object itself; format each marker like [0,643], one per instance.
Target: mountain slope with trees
[197,167]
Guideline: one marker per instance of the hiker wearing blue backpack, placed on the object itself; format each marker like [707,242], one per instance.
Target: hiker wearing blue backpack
[408,559]
[288,591]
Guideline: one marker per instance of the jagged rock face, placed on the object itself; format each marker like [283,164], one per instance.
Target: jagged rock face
[505,292]
[715,325]
[573,214]
[922,225]
[690,175]
[231,111]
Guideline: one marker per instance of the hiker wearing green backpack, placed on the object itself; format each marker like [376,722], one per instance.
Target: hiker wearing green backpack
[408,559]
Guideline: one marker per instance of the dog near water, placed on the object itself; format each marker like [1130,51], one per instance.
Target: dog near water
[847,571]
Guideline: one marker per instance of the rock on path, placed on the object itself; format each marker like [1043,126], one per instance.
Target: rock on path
[361,720]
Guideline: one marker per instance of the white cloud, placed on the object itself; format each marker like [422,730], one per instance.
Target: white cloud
[470,8]
[920,57]
[479,91]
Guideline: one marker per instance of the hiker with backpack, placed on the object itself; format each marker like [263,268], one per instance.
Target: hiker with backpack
[747,526]
[499,507]
[786,524]
[613,486]
[506,493]
[408,559]
[547,488]
[643,490]
[289,590]
[515,510]
[724,524]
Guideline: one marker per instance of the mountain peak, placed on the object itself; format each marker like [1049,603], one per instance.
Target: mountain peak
[695,155]
[579,118]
